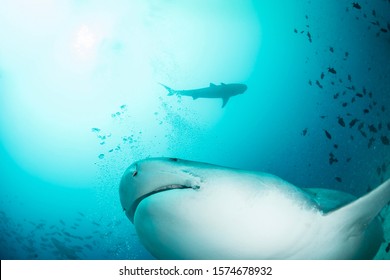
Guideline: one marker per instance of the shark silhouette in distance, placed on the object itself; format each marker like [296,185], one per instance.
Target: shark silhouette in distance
[224,91]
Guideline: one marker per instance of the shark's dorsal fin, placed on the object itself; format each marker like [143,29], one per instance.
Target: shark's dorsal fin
[224,101]
[212,85]
[223,84]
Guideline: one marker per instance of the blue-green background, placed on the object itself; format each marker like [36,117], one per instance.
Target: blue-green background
[80,101]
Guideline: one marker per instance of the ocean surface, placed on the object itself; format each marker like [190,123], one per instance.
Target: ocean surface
[80,100]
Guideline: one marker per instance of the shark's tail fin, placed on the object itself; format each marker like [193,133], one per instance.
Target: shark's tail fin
[170,90]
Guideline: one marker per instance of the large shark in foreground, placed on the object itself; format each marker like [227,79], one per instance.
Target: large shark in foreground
[191,210]
[224,91]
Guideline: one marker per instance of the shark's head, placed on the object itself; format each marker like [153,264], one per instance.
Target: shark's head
[234,89]
[154,175]
[241,88]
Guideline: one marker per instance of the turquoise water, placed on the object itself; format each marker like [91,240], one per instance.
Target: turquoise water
[80,101]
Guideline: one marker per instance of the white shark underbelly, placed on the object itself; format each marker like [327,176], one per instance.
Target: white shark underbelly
[189,210]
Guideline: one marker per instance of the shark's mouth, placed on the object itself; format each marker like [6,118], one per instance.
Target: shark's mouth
[133,208]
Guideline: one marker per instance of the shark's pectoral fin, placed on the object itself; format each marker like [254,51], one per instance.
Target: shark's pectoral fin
[224,101]
[358,214]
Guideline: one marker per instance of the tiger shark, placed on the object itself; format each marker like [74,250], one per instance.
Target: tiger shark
[191,210]
[224,91]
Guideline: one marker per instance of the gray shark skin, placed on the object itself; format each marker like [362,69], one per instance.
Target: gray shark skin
[191,210]
[224,91]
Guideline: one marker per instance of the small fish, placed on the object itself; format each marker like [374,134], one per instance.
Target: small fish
[331,49]
[385,140]
[366,111]
[388,248]
[319,84]
[310,83]
[375,23]
[328,135]
[304,132]
[352,123]
[384,30]
[344,104]
[309,36]
[322,75]
[331,70]
[356,5]
[341,121]
[332,159]
[338,179]
[372,128]
[363,133]
[359,95]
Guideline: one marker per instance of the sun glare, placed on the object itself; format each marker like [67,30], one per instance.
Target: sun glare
[85,42]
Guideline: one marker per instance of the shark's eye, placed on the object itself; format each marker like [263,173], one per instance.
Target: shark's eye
[174,159]
[135,173]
